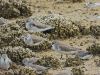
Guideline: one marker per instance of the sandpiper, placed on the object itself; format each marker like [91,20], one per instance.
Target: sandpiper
[39,68]
[2,21]
[5,62]
[63,48]
[36,26]
[84,54]
[30,60]
[33,39]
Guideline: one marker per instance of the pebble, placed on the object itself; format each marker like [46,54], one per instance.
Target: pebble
[50,12]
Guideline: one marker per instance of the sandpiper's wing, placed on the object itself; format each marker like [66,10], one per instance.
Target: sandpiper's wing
[84,54]
[80,53]
[36,38]
[33,60]
[66,47]
[38,67]
[39,25]
[10,62]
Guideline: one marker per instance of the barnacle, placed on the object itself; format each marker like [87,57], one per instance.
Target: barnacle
[94,48]
[49,61]
[14,9]
[73,62]
[77,71]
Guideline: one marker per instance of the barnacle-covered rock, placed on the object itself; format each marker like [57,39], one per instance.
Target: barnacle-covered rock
[97,62]
[40,34]
[83,29]
[46,73]
[10,27]
[95,30]
[27,71]
[17,54]
[14,9]
[24,9]
[20,22]
[22,71]
[44,45]
[49,61]
[77,71]
[73,62]
[94,48]
[8,11]
[63,30]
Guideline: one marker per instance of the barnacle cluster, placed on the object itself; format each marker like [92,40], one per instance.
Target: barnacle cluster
[97,62]
[95,30]
[77,71]
[22,71]
[94,48]
[24,9]
[44,45]
[63,30]
[83,29]
[8,11]
[40,34]
[46,73]
[27,70]
[20,22]
[14,9]
[49,61]
[73,62]
[8,33]
[17,54]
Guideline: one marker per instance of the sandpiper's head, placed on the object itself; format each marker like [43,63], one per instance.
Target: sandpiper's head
[26,36]
[91,2]
[28,20]
[25,61]
[4,56]
[54,42]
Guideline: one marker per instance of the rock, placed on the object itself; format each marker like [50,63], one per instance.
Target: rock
[49,12]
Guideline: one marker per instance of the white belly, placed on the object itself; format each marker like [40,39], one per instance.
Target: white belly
[54,48]
[86,57]
[4,65]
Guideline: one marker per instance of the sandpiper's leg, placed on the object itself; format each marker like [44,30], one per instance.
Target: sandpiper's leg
[61,56]
[66,56]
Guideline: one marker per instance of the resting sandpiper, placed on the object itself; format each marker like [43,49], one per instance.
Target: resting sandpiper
[84,54]
[36,26]
[33,39]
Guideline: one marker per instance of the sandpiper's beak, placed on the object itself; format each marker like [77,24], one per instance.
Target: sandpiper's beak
[22,25]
